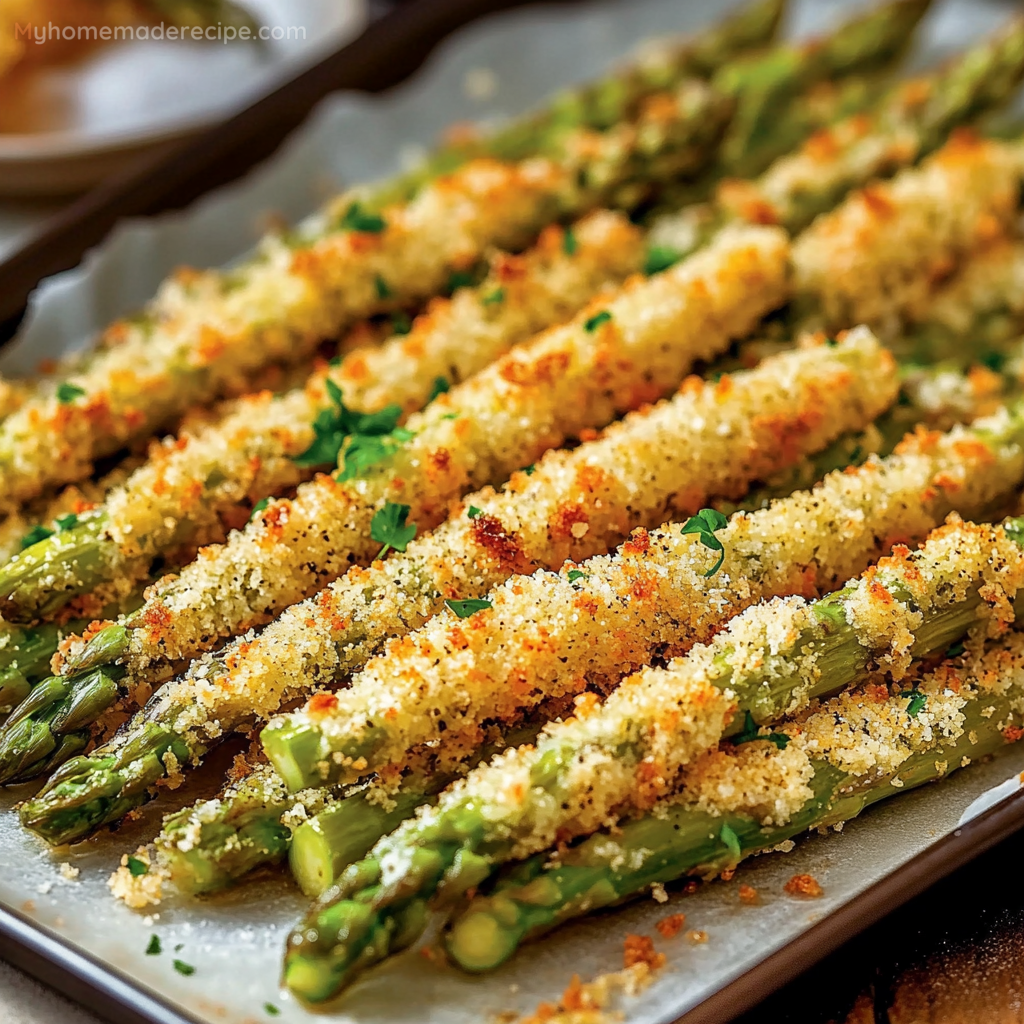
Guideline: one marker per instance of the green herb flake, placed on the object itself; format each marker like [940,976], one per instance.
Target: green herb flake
[259,507]
[68,522]
[994,361]
[494,298]
[183,968]
[35,536]
[705,524]
[916,703]
[596,320]
[473,512]
[731,841]
[569,243]
[137,867]
[751,732]
[577,574]
[271,1010]
[470,606]
[154,948]
[389,527]
[382,289]
[450,416]
[459,279]
[439,387]
[335,424]
[335,362]
[530,469]
[68,392]
[955,650]
[400,323]
[357,219]
[831,342]
[659,258]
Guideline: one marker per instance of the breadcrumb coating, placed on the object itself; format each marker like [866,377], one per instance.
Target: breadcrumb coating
[712,438]
[620,758]
[546,635]
[884,248]
[196,485]
[618,353]
[208,331]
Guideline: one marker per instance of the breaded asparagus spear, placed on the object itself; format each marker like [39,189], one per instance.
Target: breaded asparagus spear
[617,759]
[206,331]
[912,121]
[194,485]
[711,438]
[827,767]
[627,348]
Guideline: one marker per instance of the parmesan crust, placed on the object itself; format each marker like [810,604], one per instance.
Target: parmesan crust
[711,439]
[569,379]
[881,252]
[546,636]
[197,484]
[207,332]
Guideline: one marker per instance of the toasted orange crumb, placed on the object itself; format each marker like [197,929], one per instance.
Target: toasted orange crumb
[748,894]
[639,949]
[697,937]
[803,885]
[670,926]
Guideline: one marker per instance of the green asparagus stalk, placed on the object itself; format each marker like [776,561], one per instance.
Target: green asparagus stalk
[679,838]
[773,658]
[768,122]
[913,120]
[601,104]
[25,658]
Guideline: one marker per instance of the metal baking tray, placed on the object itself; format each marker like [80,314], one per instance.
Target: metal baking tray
[71,933]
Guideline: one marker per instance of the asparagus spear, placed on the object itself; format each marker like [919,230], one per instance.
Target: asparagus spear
[729,432]
[892,753]
[748,414]
[620,758]
[279,307]
[912,121]
[601,104]
[760,131]
[251,454]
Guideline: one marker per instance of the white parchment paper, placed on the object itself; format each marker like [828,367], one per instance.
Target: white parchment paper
[235,941]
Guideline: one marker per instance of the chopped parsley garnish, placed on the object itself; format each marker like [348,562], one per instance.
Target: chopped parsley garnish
[383,291]
[994,361]
[704,524]
[459,279]
[530,469]
[154,948]
[400,323]
[917,701]
[577,574]
[470,606]
[473,511]
[137,867]
[750,732]
[955,650]
[183,968]
[258,508]
[569,243]
[373,435]
[68,522]
[659,258]
[831,342]
[271,1010]
[731,841]
[358,219]
[596,320]
[335,362]
[439,387]
[389,527]
[35,535]
[68,392]
[494,298]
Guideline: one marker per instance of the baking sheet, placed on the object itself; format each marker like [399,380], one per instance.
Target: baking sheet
[235,941]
